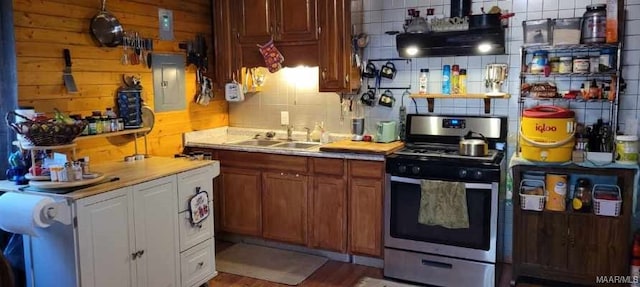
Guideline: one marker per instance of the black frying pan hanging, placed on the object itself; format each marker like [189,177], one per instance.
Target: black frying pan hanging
[106,29]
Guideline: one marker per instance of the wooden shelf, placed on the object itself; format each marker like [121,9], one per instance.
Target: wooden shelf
[111,134]
[487,99]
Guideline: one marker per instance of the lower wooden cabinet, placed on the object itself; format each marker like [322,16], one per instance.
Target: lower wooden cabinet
[323,203]
[241,203]
[328,222]
[284,207]
[569,246]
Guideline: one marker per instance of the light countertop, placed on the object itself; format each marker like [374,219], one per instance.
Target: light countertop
[225,137]
[127,174]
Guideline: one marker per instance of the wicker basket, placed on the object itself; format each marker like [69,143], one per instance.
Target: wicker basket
[45,133]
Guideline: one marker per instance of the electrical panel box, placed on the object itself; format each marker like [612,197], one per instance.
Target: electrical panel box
[168,82]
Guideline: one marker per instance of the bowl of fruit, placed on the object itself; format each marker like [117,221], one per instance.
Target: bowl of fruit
[45,131]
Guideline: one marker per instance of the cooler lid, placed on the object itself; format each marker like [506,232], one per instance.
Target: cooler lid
[548,112]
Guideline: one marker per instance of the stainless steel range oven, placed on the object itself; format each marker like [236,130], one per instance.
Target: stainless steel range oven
[433,254]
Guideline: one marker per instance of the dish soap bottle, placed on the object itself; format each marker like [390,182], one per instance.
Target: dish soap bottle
[316,134]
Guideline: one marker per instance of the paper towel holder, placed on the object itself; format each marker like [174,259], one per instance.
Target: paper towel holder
[58,211]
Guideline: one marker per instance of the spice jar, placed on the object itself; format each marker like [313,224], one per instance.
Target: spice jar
[554,62]
[565,65]
[581,64]
[582,196]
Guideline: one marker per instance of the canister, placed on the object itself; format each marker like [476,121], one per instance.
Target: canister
[565,65]
[626,149]
[581,64]
[556,185]
[539,61]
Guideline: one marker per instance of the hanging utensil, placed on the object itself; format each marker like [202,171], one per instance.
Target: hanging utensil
[125,54]
[106,29]
[69,82]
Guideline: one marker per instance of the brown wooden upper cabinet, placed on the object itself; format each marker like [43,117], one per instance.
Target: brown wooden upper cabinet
[307,32]
[284,20]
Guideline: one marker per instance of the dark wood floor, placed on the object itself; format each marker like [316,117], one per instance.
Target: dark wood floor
[331,274]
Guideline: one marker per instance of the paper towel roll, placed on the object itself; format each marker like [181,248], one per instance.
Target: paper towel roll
[23,213]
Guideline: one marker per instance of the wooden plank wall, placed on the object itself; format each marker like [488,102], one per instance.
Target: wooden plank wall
[43,28]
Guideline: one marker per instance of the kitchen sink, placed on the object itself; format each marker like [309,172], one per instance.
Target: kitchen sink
[298,145]
[257,143]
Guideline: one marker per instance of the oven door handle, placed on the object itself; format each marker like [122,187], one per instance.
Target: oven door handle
[418,181]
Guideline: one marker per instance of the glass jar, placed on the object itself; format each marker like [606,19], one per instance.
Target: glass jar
[581,64]
[554,62]
[566,65]
[581,200]
[423,81]
[539,61]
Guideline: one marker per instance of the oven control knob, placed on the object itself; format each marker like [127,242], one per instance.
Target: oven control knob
[462,173]
[477,174]
[415,170]
[402,168]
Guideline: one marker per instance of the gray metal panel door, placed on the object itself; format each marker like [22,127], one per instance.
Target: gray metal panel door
[168,82]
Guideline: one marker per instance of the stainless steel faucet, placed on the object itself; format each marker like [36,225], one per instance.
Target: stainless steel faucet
[289,132]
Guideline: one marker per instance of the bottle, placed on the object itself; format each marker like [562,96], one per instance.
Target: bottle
[582,196]
[316,134]
[446,83]
[455,77]
[462,81]
[635,261]
[423,81]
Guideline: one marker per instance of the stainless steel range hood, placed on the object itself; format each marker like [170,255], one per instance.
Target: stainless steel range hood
[454,43]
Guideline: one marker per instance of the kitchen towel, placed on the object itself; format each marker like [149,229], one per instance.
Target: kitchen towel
[23,213]
[443,203]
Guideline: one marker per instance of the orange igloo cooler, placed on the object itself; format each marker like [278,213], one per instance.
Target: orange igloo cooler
[547,134]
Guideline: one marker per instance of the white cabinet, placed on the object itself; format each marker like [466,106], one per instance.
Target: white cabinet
[129,237]
[197,256]
[106,239]
[141,235]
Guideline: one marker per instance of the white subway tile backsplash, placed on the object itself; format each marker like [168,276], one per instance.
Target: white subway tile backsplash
[534,5]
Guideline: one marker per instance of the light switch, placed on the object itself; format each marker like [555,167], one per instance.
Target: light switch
[165,18]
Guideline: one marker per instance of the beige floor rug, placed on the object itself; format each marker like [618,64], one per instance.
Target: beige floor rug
[371,282]
[269,264]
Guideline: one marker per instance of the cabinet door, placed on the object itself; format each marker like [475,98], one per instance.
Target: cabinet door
[597,245]
[156,228]
[254,20]
[225,42]
[365,216]
[296,20]
[542,239]
[331,22]
[284,207]
[240,201]
[329,213]
[106,240]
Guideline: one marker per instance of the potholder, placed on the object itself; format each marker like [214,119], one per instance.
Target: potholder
[272,56]
[199,207]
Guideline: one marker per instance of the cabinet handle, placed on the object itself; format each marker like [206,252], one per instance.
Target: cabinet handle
[324,74]
[282,173]
[346,79]
[134,255]
[238,35]
[140,253]
[271,30]
[319,30]
[297,175]
[200,264]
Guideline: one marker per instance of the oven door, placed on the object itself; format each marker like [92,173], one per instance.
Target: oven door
[402,230]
